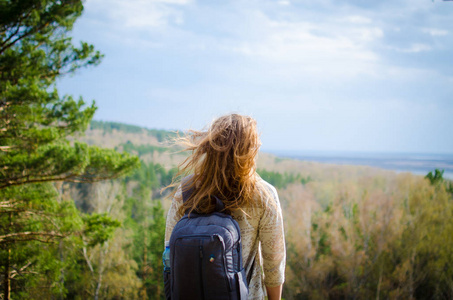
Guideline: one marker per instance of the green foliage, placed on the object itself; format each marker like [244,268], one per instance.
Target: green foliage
[31,227]
[153,175]
[99,228]
[141,149]
[435,178]
[34,51]
[280,180]
[147,221]
[154,267]
[61,161]
[101,263]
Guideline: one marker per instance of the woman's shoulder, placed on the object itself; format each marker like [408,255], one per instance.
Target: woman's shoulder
[263,184]
[265,202]
[267,193]
[266,188]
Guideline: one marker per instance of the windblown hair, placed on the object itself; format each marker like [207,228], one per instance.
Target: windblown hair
[222,162]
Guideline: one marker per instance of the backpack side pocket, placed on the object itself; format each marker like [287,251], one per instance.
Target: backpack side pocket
[241,284]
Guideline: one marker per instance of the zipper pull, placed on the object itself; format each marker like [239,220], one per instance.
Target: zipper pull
[201,251]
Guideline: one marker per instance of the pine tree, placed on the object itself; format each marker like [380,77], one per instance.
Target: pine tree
[35,126]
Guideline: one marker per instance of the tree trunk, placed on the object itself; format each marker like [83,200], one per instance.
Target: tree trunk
[100,271]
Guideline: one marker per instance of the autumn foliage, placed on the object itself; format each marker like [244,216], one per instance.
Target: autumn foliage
[379,237]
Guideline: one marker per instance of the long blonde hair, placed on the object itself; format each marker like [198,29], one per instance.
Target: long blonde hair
[222,162]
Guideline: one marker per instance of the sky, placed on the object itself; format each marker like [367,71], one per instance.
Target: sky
[317,75]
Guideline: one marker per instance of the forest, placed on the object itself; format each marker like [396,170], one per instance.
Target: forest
[82,209]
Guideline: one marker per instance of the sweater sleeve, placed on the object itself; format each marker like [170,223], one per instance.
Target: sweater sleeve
[173,216]
[272,238]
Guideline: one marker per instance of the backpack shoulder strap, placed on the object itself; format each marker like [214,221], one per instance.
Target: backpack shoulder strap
[219,206]
[187,190]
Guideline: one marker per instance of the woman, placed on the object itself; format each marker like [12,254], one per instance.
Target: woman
[222,162]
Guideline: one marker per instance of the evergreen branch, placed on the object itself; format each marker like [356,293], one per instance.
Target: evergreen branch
[5,45]
[30,235]
[75,178]
[44,215]
[11,36]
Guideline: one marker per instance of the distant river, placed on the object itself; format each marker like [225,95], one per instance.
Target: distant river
[420,164]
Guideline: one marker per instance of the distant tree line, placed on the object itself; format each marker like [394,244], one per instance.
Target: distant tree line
[141,149]
[281,180]
[153,175]
[159,134]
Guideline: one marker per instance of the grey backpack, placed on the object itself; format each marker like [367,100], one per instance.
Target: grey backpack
[206,256]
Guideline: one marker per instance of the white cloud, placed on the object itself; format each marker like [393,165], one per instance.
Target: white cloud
[358,20]
[263,43]
[435,32]
[414,48]
[331,47]
[284,2]
[418,48]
